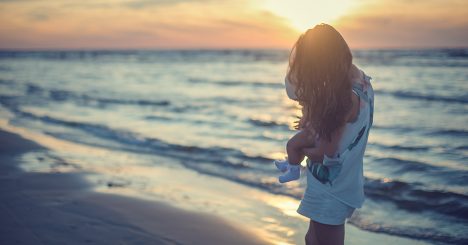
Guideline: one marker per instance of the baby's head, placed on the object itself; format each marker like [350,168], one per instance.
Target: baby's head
[319,65]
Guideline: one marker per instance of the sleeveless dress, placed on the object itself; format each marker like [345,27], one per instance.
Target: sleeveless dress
[332,197]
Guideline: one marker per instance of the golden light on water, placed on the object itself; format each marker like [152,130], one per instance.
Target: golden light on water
[304,14]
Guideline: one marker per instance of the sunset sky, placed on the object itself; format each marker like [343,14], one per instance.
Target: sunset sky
[133,24]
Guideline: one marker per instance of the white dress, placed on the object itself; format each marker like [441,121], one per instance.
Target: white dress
[334,201]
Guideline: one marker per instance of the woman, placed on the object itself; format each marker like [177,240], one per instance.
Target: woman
[337,100]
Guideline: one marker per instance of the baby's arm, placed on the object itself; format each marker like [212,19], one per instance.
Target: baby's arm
[295,146]
[302,139]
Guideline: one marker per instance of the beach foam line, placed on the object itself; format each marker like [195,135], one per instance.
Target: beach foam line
[214,161]
[414,197]
[35,209]
[424,97]
[271,217]
[231,83]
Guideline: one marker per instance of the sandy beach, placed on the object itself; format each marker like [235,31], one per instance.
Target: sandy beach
[65,207]
[58,208]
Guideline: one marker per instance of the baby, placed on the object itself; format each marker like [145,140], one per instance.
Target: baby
[305,138]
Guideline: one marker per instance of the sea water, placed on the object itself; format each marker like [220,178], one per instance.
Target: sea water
[225,113]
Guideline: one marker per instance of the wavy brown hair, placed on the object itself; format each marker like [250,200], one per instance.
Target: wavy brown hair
[319,65]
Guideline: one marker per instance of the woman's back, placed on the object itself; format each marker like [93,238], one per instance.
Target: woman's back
[348,185]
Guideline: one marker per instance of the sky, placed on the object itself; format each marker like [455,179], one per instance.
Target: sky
[205,24]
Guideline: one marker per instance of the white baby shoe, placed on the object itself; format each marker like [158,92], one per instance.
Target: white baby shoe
[281,165]
[293,173]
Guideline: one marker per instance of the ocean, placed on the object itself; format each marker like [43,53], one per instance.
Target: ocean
[224,113]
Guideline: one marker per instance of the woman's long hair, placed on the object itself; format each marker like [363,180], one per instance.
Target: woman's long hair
[319,65]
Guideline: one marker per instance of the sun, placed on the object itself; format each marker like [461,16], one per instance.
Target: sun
[304,14]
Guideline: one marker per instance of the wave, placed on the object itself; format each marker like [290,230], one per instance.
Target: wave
[32,92]
[232,101]
[33,89]
[395,128]
[406,231]
[462,147]
[407,165]
[215,160]
[425,131]
[435,53]
[236,83]
[413,197]
[450,132]
[234,165]
[145,56]
[4,81]
[270,185]
[153,117]
[10,101]
[426,97]
[267,123]
[407,196]
[61,95]
[208,160]
[129,102]
[216,155]
[448,175]
[402,147]
[414,57]
[463,53]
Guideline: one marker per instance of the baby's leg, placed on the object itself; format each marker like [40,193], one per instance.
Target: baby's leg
[303,139]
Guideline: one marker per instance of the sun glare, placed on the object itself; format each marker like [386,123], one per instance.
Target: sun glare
[304,14]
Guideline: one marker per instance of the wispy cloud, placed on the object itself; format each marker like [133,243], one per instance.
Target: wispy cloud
[140,4]
[218,24]
[407,23]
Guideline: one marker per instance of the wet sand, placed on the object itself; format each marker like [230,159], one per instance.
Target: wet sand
[60,208]
[52,206]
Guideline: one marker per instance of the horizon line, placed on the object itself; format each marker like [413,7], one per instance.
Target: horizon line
[212,49]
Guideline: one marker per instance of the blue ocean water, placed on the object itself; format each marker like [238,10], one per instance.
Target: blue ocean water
[225,113]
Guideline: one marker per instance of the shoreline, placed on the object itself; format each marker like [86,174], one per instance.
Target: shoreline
[206,206]
[59,208]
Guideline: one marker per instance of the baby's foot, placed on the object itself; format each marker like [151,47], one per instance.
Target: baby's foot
[282,165]
[293,173]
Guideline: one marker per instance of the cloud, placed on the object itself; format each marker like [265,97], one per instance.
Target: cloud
[403,23]
[161,24]
[219,24]
[39,15]
[140,4]
[403,31]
